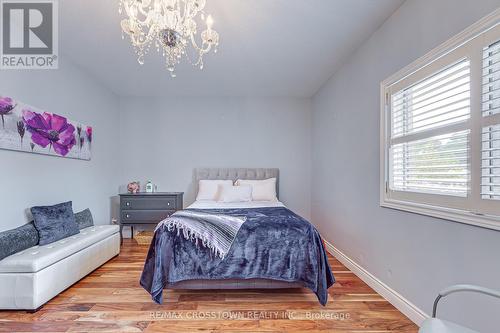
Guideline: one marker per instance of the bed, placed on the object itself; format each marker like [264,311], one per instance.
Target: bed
[274,248]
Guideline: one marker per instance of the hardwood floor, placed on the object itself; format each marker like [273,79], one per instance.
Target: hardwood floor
[111,300]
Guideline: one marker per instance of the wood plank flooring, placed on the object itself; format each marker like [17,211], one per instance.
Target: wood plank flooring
[111,300]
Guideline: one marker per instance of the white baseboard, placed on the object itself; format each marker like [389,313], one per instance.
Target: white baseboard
[402,304]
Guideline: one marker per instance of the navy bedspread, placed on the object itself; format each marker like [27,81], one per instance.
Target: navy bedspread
[274,243]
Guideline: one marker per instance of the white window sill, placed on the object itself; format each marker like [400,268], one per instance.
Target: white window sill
[455,215]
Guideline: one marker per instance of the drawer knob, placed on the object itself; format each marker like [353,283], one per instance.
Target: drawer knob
[168,203]
[127,216]
[128,203]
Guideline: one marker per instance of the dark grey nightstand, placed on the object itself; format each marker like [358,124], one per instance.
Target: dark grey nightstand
[147,208]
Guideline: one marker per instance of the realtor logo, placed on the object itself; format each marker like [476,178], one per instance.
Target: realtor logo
[28,35]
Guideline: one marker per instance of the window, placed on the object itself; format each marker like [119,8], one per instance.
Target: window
[440,130]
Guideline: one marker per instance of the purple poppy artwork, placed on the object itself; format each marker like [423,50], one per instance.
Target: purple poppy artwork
[50,130]
[25,128]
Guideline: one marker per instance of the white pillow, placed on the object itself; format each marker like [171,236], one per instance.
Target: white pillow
[230,193]
[262,190]
[208,189]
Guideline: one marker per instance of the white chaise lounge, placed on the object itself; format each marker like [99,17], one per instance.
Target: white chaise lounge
[31,278]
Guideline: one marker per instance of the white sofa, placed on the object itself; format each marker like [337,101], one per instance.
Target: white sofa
[31,278]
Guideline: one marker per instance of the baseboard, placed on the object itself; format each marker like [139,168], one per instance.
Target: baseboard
[402,304]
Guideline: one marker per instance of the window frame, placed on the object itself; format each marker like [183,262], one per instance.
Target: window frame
[473,209]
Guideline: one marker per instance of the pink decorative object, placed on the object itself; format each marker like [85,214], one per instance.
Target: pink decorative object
[133,187]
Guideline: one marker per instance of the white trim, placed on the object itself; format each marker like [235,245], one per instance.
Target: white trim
[472,210]
[409,309]
[454,215]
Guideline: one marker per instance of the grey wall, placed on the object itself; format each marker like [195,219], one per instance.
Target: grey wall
[415,255]
[163,140]
[30,179]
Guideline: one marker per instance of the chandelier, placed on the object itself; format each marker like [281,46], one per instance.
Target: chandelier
[171,25]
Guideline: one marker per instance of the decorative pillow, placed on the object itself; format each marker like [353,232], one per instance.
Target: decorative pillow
[230,193]
[54,222]
[262,190]
[208,189]
[84,219]
[17,240]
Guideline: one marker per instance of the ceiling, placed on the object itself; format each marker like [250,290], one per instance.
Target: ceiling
[278,48]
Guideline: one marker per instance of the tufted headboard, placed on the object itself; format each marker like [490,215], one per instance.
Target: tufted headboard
[237,173]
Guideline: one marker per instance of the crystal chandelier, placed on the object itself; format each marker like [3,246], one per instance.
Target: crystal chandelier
[171,26]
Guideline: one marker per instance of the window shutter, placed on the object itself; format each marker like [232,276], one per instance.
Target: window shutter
[491,80]
[490,139]
[490,170]
[435,163]
[439,100]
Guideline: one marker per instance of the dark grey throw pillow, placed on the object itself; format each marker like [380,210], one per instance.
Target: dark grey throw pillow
[84,219]
[54,222]
[17,240]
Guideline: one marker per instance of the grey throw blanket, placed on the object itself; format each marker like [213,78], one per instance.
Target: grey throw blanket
[215,231]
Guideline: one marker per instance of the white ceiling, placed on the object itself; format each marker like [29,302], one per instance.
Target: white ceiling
[268,47]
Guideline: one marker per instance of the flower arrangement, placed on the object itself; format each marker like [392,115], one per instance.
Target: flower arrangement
[133,187]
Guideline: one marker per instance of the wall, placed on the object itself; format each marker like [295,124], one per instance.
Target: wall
[164,140]
[415,255]
[31,179]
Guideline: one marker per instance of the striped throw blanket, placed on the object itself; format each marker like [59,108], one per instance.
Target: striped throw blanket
[215,231]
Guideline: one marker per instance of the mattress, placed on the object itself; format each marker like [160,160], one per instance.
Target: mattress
[208,204]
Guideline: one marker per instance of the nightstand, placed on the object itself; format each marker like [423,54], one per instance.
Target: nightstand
[143,209]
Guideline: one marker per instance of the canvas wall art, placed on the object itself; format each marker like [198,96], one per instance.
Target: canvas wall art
[25,128]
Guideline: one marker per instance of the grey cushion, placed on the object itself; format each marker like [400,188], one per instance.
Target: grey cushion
[84,219]
[17,240]
[54,222]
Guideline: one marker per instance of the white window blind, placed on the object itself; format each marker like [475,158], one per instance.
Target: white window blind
[490,140]
[437,163]
[439,100]
[491,80]
[434,165]
[490,177]
[440,130]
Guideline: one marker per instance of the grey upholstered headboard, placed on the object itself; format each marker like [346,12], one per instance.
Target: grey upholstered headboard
[237,173]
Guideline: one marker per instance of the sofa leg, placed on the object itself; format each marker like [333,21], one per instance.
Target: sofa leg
[36,310]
